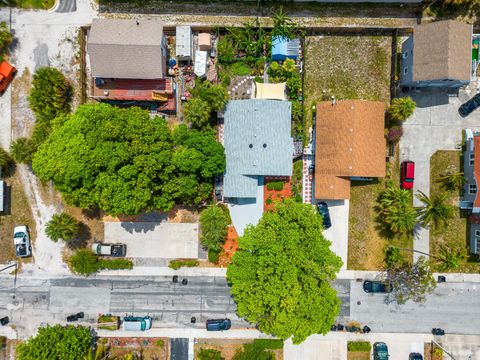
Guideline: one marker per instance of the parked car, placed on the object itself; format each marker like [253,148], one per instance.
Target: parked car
[415,356]
[322,208]
[21,240]
[438,331]
[380,351]
[7,72]
[218,324]
[370,286]
[466,108]
[136,323]
[75,317]
[115,250]
[407,174]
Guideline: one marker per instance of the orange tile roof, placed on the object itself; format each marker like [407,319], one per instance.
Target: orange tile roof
[476,167]
[350,141]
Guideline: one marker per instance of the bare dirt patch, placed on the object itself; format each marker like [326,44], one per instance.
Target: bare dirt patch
[144,348]
[358,355]
[228,347]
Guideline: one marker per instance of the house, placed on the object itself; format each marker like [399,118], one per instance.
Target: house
[349,143]
[128,63]
[258,143]
[438,54]
[470,199]
[183,43]
[284,48]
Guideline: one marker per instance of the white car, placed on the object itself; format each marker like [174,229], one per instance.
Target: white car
[21,240]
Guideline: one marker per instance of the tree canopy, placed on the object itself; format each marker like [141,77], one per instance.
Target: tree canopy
[56,343]
[402,108]
[62,226]
[280,276]
[213,225]
[124,162]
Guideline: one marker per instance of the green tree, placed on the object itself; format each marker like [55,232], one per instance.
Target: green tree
[450,257]
[213,227]
[393,257]
[396,209]
[6,38]
[281,274]
[197,112]
[435,212]
[410,282]
[5,159]
[209,354]
[283,25]
[124,162]
[453,180]
[22,150]
[50,94]
[62,226]
[84,262]
[56,343]
[402,108]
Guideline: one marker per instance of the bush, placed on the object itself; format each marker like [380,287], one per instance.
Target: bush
[209,354]
[239,68]
[115,264]
[160,343]
[62,226]
[394,134]
[258,79]
[22,150]
[85,262]
[197,112]
[438,352]
[359,346]
[177,264]
[254,351]
[213,227]
[213,256]
[269,343]
[275,185]
[401,108]
[224,78]
[393,257]
[5,159]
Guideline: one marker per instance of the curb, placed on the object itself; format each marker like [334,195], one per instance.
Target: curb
[55,7]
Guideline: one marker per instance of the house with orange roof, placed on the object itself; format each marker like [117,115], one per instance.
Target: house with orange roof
[349,143]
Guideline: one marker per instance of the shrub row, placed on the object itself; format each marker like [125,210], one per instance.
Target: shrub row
[177,264]
[275,185]
[359,346]
[270,344]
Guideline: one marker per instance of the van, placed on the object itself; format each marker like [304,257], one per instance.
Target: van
[136,323]
[218,324]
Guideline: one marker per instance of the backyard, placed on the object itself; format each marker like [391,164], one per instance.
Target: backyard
[347,67]
[455,233]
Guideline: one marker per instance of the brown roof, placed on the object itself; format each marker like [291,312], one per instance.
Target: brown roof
[349,141]
[442,50]
[476,167]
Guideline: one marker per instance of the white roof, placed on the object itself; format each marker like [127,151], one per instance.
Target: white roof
[183,44]
[200,68]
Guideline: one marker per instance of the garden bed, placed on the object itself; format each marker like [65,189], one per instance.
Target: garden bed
[229,248]
[229,347]
[455,233]
[275,190]
[148,348]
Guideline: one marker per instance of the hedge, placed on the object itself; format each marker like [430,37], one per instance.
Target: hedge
[213,256]
[270,344]
[275,185]
[115,264]
[359,346]
[177,264]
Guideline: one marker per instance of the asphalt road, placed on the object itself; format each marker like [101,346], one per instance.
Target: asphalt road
[66,6]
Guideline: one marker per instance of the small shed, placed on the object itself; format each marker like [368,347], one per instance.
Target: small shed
[204,41]
[183,44]
[200,66]
[284,48]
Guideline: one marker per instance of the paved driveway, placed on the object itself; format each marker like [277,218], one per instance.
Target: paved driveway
[155,240]
[435,125]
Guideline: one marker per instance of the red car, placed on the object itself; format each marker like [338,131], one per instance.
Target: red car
[407,174]
[7,72]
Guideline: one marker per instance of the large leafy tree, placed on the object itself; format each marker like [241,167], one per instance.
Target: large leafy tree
[50,94]
[124,162]
[281,274]
[62,226]
[436,211]
[410,282]
[213,225]
[56,343]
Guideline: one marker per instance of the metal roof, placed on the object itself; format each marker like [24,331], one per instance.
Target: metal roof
[183,42]
[258,142]
[126,49]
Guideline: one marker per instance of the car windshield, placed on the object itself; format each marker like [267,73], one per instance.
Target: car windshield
[408,180]
[19,235]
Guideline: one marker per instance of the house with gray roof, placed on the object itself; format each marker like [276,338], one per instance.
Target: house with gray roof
[127,49]
[258,143]
[438,54]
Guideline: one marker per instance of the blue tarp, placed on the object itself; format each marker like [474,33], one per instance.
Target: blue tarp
[283,48]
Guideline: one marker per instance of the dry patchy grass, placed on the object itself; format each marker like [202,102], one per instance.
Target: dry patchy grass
[358,355]
[347,67]
[228,347]
[455,232]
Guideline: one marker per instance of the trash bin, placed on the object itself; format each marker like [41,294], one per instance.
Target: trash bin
[184,281]
[441,279]
[175,279]
[4,321]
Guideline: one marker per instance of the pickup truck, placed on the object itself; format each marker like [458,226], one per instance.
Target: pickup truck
[7,72]
[115,250]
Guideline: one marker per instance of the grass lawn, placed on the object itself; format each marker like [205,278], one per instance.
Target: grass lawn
[367,239]
[36,4]
[455,233]
[358,355]
[347,67]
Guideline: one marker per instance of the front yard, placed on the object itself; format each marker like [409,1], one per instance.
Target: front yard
[455,233]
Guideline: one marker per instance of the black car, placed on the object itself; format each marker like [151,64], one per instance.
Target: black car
[4,321]
[415,356]
[438,331]
[218,324]
[469,106]
[75,317]
[322,208]
[370,286]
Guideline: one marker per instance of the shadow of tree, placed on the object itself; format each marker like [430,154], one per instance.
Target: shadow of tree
[80,241]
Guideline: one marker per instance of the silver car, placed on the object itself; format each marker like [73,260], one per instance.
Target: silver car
[21,240]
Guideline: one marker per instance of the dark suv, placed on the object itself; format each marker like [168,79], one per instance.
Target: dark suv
[469,106]
[218,324]
[380,351]
[377,286]
[322,208]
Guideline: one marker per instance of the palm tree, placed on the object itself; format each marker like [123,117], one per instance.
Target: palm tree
[62,226]
[402,108]
[396,208]
[5,159]
[22,150]
[449,258]
[453,180]
[5,37]
[435,211]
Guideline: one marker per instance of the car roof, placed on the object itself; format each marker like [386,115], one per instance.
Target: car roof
[20,228]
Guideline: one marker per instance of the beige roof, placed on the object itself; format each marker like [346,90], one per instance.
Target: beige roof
[270,91]
[204,41]
[442,50]
[126,49]
[349,141]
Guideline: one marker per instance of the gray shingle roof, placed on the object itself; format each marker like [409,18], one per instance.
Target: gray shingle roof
[258,142]
[120,48]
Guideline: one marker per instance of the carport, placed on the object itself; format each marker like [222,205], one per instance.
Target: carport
[155,240]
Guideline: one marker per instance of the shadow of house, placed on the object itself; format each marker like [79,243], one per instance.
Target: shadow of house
[138,227]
